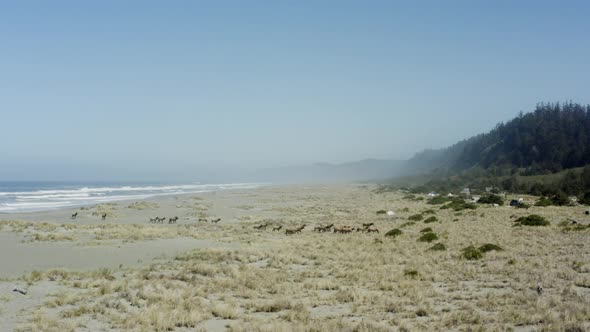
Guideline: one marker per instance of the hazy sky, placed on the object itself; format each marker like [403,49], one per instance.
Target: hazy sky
[169,87]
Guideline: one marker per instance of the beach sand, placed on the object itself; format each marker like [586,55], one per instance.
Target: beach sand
[126,273]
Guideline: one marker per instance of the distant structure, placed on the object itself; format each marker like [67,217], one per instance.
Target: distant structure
[466,191]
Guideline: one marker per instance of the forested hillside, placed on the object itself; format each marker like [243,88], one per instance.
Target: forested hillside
[552,139]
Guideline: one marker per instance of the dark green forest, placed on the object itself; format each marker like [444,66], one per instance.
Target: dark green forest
[544,152]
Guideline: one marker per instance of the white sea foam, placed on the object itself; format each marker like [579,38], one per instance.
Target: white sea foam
[47,199]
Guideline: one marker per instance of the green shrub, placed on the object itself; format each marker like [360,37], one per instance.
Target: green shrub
[405,209]
[381,212]
[410,196]
[394,232]
[471,253]
[522,206]
[490,247]
[532,220]
[419,199]
[430,211]
[426,230]
[430,219]
[428,237]
[416,217]
[491,199]
[438,247]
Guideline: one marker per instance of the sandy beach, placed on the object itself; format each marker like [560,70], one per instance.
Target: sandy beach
[245,274]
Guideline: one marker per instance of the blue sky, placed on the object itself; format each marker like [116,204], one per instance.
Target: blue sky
[160,88]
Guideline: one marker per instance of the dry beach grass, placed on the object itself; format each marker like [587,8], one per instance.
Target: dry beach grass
[261,280]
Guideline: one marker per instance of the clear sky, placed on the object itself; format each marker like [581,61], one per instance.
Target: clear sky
[109,89]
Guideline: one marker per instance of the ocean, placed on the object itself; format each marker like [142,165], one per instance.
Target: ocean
[23,196]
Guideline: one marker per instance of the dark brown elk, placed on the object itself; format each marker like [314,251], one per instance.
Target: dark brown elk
[74,215]
[104,216]
[215,221]
[276,229]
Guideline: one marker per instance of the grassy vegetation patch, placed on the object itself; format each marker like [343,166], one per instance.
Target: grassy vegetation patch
[381,212]
[459,204]
[438,247]
[532,220]
[394,232]
[491,199]
[439,200]
[406,224]
[416,217]
[426,230]
[428,237]
[490,247]
[471,253]
[430,219]
[429,211]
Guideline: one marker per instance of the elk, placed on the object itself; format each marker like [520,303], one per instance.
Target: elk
[343,229]
[327,228]
[104,216]
[276,229]
[294,230]
[261,226]
[202,220]
[372,230]
[172,220]
[74,215]
[368,225]
[215,221]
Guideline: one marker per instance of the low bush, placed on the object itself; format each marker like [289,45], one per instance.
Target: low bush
[490,247]
[406,224]
[394,232]
[430,219]
[459,205]
[428,237]
[381,212]
[411,273]
[532,220]
[416,217]
[471,253]
[491,199]
[426,230]
[438,247]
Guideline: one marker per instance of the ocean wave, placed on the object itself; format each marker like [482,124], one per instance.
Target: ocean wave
[98,190]
[59,198]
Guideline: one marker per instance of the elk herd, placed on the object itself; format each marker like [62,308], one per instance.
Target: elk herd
[366,228]
[173,220]
[102,216]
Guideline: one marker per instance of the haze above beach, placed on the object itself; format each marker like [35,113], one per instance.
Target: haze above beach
[208,91]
